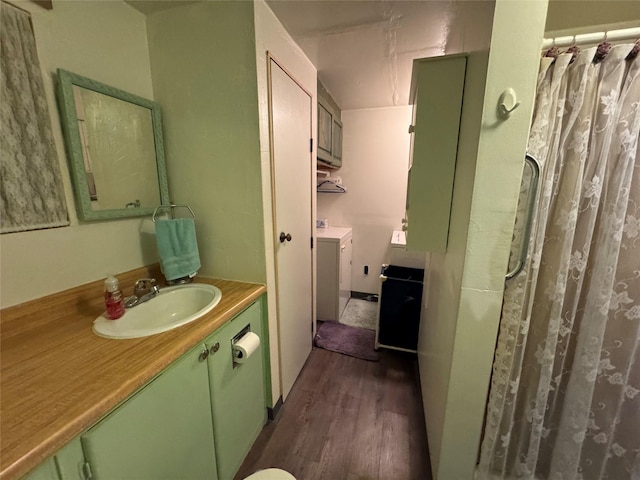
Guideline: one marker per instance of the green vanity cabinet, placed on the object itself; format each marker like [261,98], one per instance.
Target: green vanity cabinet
[70,461]
[67,464]
[45,471]
[237,391]
[196,420]
[162,432]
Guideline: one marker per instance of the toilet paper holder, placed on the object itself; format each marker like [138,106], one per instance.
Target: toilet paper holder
[234,340]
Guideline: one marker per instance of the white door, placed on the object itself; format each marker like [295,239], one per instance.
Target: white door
[291,169]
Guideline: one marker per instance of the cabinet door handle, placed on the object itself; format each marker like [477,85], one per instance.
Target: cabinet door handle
[215,348]
[284,237]
[203,355]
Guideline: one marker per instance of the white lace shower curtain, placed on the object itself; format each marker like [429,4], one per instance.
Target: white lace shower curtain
[564,402]
[31,192]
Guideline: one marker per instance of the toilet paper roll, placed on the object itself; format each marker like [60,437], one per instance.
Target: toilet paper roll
[245,347]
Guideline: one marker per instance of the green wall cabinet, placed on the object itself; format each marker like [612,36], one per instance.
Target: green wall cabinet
[237,392]
[437,89]
[163,432]
[336,141]
[329,148]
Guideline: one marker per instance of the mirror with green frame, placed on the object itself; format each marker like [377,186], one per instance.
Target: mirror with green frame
[115,149]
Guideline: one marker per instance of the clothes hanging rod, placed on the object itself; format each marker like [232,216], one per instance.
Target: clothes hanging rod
[336,187]
[592,38]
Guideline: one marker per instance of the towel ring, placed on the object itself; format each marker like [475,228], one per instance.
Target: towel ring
[172,206]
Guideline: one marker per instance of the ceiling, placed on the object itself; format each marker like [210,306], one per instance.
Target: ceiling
[364,49]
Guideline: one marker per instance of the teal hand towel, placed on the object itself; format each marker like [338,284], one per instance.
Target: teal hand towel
[177,247]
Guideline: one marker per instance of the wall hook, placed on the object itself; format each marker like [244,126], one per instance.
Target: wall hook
[508,102]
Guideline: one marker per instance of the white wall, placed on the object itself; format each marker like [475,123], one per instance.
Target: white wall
[105,41]
[462,312]
[581,15]
[375,156]
[273,38]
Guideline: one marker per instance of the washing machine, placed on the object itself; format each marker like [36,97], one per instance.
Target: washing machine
[333,287]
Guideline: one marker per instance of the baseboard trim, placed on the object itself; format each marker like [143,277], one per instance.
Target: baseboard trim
[371,297]
[272,413]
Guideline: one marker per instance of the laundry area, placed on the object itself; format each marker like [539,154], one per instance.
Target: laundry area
[365,197]
[392,312]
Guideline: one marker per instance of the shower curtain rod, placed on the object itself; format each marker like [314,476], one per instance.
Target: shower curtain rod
[592,38]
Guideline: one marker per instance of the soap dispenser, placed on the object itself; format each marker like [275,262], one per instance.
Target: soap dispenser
[113,298]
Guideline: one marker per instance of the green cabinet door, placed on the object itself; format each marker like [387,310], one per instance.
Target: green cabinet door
[237,392]
[45,471]
[67,464]
[437,91]
[162,432]
[70,461]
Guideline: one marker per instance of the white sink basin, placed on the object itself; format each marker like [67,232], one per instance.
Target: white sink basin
[172,308]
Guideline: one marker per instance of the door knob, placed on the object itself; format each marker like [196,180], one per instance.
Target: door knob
[284,237]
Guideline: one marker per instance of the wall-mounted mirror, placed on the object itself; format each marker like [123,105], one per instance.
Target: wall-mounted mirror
[114,143]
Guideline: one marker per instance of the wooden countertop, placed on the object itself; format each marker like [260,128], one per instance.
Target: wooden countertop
[58,378]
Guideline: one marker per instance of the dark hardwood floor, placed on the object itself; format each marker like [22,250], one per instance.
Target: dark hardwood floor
[348,419]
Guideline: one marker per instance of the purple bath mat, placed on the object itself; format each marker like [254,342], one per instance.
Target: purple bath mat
[352,341]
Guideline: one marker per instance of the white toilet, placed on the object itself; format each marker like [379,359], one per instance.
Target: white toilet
[271,474]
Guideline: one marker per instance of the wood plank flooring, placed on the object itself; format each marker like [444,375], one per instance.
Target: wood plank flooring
[348,419]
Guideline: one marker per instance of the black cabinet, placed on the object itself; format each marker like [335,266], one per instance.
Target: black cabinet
[399,308]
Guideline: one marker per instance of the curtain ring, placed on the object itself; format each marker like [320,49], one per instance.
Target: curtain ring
[634,51]
[601,52]
[574,50]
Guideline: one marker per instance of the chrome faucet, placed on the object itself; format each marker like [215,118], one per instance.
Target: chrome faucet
[143,290]
[143,286]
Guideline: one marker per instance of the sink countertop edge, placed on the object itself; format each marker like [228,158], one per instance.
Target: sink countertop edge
[42,407]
